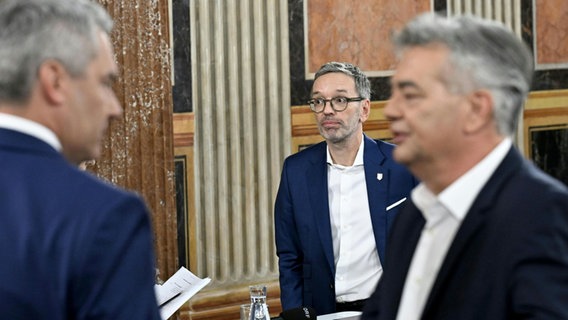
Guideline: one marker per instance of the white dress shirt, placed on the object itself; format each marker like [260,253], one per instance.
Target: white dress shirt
[357,264]
[34,129]
[443,214]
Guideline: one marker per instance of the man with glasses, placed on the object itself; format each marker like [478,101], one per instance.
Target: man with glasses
[336,201]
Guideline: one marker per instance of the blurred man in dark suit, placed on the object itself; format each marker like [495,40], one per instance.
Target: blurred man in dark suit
[485,235]
[71,246]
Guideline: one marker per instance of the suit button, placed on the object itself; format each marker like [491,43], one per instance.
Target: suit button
[331,285]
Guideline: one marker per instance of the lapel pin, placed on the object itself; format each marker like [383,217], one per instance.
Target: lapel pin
[379,176]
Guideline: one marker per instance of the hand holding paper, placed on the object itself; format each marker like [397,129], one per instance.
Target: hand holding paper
[177,290]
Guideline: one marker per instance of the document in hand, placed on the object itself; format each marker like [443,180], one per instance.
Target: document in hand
[177,290]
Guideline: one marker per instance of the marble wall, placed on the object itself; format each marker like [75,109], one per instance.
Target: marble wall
[546,30]
[537,16]
[550,27]
[182,89]
[320,31]
[353,31]
[548,150]
[356,32]
[137,150]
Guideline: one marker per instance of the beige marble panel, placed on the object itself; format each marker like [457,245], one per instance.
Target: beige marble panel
[551,34]
[356,31]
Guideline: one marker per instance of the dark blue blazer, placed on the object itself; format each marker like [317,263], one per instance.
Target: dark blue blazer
[302,223]
[509,259]
[71,246]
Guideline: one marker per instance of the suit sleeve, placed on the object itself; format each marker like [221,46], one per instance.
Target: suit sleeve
[116,280]
[288,248]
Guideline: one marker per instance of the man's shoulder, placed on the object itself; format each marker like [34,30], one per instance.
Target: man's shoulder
[384,146]
[380,150]
[103,189]
[533,180]
[84,190]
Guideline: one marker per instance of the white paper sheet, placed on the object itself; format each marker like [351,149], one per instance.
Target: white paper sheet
[177,290]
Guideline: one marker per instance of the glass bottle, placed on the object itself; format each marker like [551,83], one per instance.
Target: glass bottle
[258,307]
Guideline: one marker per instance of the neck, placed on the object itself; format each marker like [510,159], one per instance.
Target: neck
[440,174]
[345,152]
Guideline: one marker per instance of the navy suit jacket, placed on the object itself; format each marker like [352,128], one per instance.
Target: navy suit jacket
[509,258]
[302,223]
[71,246]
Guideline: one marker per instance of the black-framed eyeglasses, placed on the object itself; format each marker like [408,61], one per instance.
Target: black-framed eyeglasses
[338,104]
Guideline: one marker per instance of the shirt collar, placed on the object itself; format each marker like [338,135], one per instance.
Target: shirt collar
[34,129]
[358,158]
[459,196]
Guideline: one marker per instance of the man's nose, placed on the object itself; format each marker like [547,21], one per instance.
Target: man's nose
[115,107]
[327,110]
[391,110]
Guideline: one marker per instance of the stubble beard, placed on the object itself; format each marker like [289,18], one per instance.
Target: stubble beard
[338,135]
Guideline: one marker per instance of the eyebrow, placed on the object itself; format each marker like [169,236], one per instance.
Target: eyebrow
[406,84]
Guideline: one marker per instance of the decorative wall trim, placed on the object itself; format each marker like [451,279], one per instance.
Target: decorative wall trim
[544,108]
[184,129]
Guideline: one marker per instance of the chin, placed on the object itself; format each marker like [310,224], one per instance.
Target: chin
[401,156]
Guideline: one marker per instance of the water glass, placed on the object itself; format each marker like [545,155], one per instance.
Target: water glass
[245,311]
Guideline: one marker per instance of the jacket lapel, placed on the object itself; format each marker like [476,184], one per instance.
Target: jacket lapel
[472,223]
[406,232]
[316,174]
[377,179]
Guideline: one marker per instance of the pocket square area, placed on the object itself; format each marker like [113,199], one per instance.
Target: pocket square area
[396,203]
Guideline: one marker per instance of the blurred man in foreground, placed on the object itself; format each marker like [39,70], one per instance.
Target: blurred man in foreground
[71,246]
[485,235]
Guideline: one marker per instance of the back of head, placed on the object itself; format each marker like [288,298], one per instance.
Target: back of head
[33,31]
[362,84]
[484,54]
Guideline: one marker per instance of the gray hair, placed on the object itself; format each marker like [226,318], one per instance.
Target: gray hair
[484,54]
[362,84]
[33,31]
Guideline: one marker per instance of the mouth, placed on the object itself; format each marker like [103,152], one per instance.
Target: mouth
[330,124]
[398,137]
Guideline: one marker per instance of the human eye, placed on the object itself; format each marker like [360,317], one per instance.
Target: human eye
[339,100]
[408,91]
[109,80]
[318,101]
[411,95]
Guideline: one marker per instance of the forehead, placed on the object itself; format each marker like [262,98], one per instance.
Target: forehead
[333,82]
[421,64]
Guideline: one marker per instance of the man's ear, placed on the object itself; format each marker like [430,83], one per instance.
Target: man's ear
[52,79]
[480,112]
[365,110]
